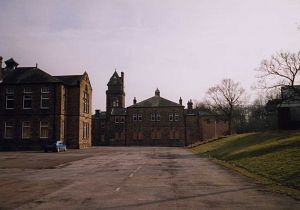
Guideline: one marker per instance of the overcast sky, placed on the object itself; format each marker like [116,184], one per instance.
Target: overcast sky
[181,47]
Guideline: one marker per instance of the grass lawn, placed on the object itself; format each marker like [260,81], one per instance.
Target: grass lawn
[272,158]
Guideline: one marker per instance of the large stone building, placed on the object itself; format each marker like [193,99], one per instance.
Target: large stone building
[37,108]
[289,108]
[154,121]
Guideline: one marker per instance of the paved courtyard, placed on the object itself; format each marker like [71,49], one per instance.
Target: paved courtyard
[127,178]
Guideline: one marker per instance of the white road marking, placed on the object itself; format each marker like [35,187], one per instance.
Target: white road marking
[131,175]
[117,189]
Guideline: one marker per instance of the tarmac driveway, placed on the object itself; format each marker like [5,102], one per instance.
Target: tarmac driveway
[127,178]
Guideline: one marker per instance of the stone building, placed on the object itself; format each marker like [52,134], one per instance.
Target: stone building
[37,108]
[289,108]
[155,121]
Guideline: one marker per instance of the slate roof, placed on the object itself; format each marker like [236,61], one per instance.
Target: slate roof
[156,101]
[115,79]
[27,75]
[71,80]
[33,75]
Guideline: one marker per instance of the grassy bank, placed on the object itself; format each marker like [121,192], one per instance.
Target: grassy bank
[272,158]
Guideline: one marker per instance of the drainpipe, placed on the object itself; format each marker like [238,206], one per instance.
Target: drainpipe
[54,114]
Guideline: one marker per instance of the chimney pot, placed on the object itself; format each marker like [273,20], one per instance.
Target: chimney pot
[157,92]
[180,101]
[134,100]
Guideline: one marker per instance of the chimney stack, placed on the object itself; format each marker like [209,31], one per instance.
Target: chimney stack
[122,76]
[97,112]
[1,73]
[190,105]
[157,92]
[180,100]
[134,100]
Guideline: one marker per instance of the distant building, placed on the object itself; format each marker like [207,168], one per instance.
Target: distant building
[37,108]
[155,121]
[289,108]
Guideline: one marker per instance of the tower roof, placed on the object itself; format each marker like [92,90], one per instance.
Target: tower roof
[115,79]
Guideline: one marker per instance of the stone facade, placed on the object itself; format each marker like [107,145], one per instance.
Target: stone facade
[153,122]
[37,108]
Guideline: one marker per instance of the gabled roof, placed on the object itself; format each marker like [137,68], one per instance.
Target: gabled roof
[156,101]
[71,80]
[27,75]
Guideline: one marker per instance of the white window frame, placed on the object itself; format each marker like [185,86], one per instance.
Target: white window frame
[44,126]
[152,116]
[176,118]
[5,130]
[10,91]
[86,128]
[6,101]
[44,96]
[134,117]
[45,90]
[85,102]
[171,117]
[140,117]
[26,126]
[157,116]
[24,96]
[27,90]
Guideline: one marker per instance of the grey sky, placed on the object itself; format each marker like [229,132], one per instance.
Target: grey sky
[181,47]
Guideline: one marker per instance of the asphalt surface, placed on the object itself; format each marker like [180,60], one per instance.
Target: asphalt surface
[131,178]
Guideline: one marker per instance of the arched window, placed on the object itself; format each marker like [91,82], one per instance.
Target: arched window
[115,102]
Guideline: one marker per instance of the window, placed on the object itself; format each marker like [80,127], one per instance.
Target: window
[139,117]
[86,102]
[45,90]
[45,98]
[9,130]
[102,124]
[157,117]
[170,116]
[115,102]
[27,90]
[134,117]
[10,91]
[176,117]
[44,130]
[26,130]
[122,119]
[10,101]
[152,117]
[117,119]
[27,101]
[86,130]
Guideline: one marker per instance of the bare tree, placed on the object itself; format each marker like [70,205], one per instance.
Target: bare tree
[225,97]
[281,69]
